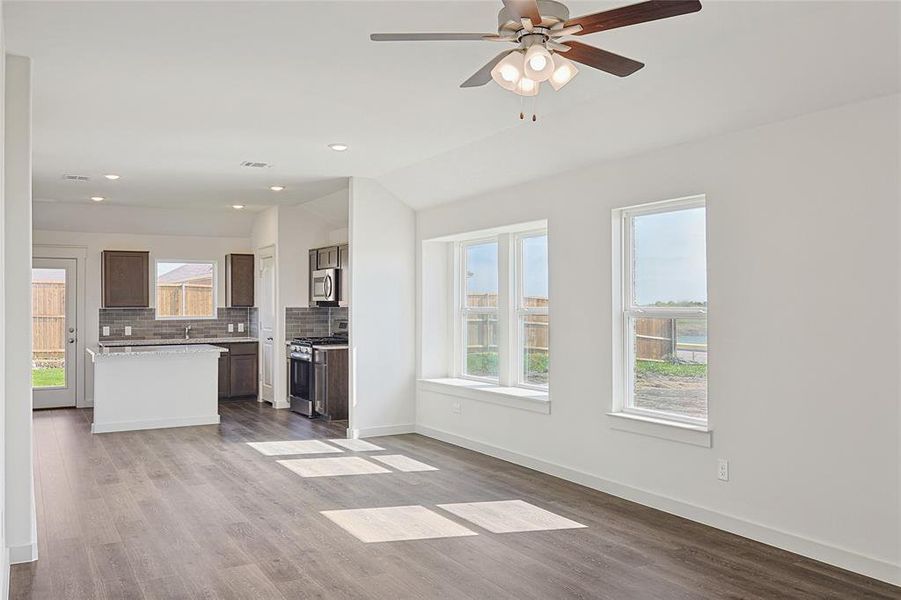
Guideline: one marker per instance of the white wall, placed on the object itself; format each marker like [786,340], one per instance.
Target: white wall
[803,225]
[382,305]
[292,231]
[21,529]
[159,246]
[298,231]
[109,217]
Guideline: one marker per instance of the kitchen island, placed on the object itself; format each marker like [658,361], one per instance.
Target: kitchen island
[153,387]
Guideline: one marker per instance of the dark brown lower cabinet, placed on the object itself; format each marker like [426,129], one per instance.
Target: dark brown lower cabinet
[223,374]
[238,372]
[330,379]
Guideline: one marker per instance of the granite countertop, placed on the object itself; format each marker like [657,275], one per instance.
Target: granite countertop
[176,342]
[158,350]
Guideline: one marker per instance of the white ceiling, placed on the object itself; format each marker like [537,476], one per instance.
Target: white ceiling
[174,96]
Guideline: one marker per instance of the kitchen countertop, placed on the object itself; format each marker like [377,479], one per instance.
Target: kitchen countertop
[176,342]
[147,350]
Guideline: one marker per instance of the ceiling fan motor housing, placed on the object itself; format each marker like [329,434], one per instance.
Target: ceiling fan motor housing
[551,13]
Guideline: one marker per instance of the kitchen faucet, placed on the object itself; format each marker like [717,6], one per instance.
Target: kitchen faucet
[187,332]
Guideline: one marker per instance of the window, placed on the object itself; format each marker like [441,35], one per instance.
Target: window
[503,319]
[532,309]
[663,319]
[480,309]
[185,289]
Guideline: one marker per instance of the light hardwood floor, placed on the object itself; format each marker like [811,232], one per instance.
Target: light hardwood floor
[197,513]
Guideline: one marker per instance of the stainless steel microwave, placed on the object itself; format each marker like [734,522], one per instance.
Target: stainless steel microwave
[325,285]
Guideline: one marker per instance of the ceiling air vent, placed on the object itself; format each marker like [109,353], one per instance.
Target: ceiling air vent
[68,177]
[255,165]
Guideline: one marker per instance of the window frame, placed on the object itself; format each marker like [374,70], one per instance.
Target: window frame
[520,312]
[508,310]
[625,311]
[215,284]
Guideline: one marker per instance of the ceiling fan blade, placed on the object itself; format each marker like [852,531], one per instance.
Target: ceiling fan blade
[524,9]
[563,31]
[634,14]
[601,59]
[499,38]
[430,37]
[483,75]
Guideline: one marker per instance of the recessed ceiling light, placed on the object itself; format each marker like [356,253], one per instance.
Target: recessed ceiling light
[276,188]
[338,147]
[98,198]
[112,176]
[237,206]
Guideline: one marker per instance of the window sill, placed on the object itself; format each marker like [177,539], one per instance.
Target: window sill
[514,397]
[697,435]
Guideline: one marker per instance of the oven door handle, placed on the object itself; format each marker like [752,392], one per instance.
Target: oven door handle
[328,287]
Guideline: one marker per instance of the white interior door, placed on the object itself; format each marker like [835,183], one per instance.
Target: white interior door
[54,332]
[267,328]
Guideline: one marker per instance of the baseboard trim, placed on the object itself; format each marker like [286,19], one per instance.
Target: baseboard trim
[380,430]
[154,424]
[4,575]
[23,554]
[833,555]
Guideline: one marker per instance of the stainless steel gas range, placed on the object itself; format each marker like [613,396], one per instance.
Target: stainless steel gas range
[317,376]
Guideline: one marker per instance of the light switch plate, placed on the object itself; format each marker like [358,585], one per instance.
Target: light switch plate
[231,327]
[128,330]
[241,327]
[105,330]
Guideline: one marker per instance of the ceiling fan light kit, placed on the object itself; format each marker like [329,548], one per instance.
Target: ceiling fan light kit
[564,71]
[540,29]
[509,71]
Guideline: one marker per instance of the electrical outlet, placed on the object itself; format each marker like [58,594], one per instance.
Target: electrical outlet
[105,330]
[722,469]
[241,327]
[231,327]
[128,330]
[457,407]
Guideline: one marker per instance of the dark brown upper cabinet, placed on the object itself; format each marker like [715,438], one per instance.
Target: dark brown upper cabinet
[239,280]
[327,258]
[125,279]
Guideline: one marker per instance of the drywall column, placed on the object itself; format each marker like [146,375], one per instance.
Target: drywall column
[382,309]
[21,529]
[4,549]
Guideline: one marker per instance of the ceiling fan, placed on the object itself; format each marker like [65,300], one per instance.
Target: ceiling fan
[543,53]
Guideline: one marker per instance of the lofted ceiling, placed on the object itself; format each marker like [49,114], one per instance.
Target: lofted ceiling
[174,96]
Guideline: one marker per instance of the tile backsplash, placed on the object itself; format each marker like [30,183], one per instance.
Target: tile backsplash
[312,322]
[145,326]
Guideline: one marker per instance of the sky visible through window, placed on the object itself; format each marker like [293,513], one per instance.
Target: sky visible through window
[534,267]
[165,267]
[670,258]
[481,265]
[481,268]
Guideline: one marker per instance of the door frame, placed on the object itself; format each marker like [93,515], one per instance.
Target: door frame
[80,254]
[270,252]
